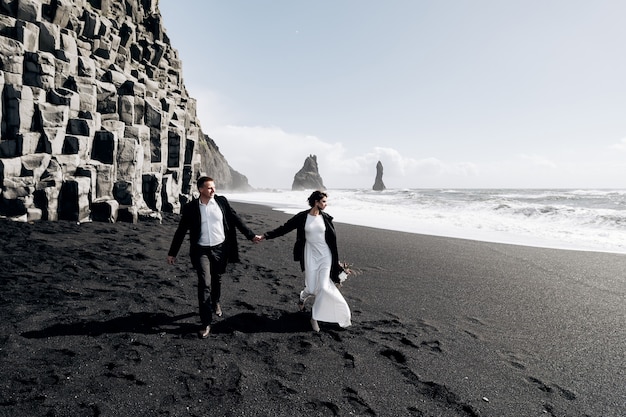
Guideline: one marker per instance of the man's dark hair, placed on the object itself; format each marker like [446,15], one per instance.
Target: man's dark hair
[202,180]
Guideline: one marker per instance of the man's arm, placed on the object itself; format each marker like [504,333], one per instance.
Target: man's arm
[233,218]
[179,236]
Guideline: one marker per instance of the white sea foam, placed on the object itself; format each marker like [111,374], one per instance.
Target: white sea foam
[591,220]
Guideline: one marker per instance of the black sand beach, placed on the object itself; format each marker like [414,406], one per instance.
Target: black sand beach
[95,323]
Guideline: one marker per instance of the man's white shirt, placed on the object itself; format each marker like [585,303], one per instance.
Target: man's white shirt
[212,224]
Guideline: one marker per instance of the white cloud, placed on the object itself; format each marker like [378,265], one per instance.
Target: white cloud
[538,160]
[211,108]
[403,171]
[620,146]
[270,157]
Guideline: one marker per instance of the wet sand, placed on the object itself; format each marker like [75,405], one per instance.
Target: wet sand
[95,323]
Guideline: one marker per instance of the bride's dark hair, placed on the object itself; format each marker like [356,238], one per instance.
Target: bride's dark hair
[316,196]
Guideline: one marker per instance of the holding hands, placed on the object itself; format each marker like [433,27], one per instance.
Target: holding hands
[258,238]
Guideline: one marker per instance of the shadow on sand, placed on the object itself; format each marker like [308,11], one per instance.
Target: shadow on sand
[157,323]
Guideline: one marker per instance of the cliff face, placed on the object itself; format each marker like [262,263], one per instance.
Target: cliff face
[96,123]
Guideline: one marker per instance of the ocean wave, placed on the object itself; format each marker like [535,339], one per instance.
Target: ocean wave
[581,219]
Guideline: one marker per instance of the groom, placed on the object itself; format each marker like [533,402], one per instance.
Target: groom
[212,224]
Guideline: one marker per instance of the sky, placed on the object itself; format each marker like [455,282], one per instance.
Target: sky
[444,93]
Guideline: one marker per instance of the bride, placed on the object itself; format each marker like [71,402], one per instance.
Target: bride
[316,250]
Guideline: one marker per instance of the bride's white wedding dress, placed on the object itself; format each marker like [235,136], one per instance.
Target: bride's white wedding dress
[329,305]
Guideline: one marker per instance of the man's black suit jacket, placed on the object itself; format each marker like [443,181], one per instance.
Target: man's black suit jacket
[190,222]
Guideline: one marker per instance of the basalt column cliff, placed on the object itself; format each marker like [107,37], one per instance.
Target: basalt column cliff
[96,123]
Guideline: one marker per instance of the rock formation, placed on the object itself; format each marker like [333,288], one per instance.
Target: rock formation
[308,178]
[378,182]
[96,123]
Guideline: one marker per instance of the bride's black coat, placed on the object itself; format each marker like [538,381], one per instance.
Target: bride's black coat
[297,222]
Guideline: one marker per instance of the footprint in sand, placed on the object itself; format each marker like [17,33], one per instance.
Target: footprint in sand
[361,408]
[302,346]
[513,360]
[348,360]
[278,390]
[425,326]
[476,320]
[429,389]
[563,392]
[299,368]
[408,342]
[245,305]
[394,355]
[472,335]
[324,405]
[125,376]
[433,345]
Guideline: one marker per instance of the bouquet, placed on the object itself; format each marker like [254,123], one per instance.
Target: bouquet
[347,270]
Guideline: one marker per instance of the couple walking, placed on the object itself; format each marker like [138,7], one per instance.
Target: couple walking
[212,225]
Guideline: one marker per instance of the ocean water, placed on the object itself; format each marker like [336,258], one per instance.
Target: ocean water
[589,220]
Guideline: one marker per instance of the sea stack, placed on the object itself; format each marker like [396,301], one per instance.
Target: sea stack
[308,178]
[378,182]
